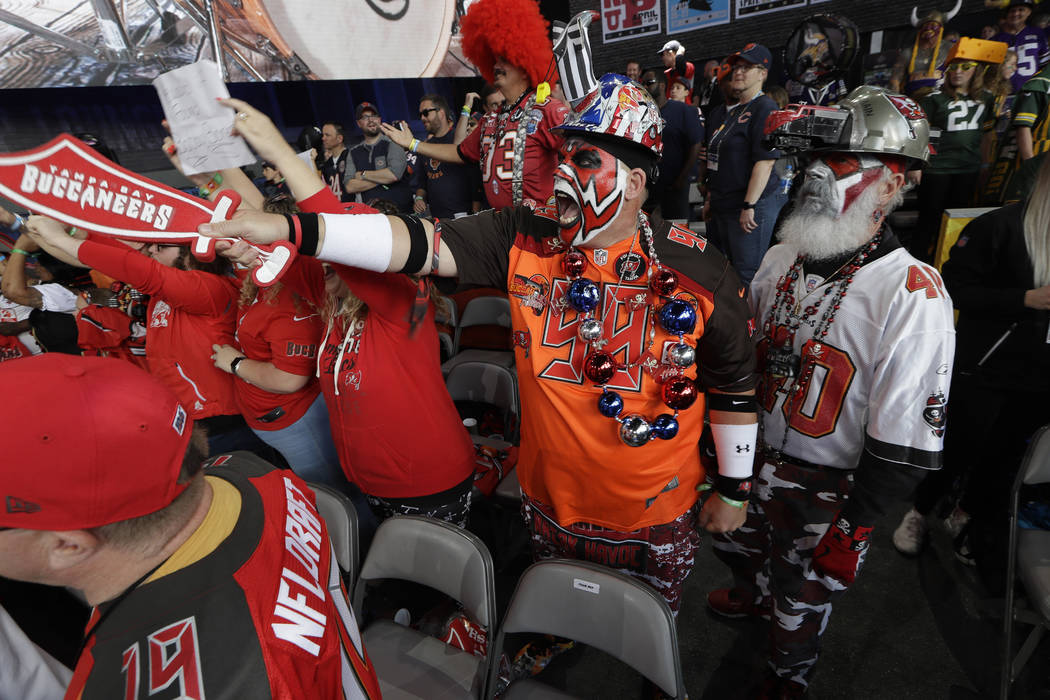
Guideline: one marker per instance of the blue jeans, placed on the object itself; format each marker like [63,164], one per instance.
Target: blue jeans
[746,250]
[308,447]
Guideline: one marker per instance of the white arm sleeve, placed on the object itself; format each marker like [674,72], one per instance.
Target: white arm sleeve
[358,240]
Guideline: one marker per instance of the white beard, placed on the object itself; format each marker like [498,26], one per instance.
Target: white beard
[819,233]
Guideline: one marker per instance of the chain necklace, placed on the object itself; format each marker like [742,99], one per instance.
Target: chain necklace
[676,317]
[782,363]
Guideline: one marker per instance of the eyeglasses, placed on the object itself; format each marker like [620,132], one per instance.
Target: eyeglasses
[652,81]
[744,67]
[369,117]
[966,65]
[424,113]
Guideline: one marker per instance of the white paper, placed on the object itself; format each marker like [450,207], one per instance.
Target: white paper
[201,127]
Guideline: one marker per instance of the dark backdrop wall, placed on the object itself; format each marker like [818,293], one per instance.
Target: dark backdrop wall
[772,29]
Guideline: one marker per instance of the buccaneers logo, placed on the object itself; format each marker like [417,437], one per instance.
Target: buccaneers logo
[935,413]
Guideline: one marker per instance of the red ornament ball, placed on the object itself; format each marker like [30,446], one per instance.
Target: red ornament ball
[599,367]
[663,281]
[680,393]
[574,263]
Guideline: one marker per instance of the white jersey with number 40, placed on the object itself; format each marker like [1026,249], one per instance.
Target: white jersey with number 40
[881,375]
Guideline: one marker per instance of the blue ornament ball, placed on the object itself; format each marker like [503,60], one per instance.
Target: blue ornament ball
[610,404]
[665,426]
[583,295]
[677,317]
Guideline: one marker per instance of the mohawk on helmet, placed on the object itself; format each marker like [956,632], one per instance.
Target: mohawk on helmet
[513,29]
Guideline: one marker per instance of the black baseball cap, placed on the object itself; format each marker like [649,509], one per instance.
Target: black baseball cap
[755,54]
[366,107]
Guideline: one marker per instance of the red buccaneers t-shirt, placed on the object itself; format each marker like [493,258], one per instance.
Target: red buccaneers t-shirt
[491,146]
[283,330]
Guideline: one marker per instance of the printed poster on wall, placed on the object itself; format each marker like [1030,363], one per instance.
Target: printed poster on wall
[629,19]
[750,8]
[687,15]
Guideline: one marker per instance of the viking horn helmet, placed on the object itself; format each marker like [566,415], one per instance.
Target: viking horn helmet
[934,16]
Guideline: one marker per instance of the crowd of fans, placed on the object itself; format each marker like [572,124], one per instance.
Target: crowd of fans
[334,372]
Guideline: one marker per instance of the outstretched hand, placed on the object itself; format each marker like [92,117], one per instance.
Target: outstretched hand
[253,226]
[400,134]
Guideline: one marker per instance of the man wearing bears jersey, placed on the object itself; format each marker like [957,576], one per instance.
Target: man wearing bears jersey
[221,583]
[855,358]
[515,147]
[625,330]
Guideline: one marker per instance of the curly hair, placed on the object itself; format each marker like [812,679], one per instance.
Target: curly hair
[513,29]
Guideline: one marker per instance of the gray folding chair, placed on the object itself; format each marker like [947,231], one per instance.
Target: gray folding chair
[411,664]
[599,607]
[482,311]
[484,382]
[1028,558]
[341,518]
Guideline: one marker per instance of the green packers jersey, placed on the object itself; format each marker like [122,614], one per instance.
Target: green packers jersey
[956,127]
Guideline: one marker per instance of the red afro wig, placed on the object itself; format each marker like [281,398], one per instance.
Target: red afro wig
[513,29]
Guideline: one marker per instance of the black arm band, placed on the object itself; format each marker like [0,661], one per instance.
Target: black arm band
[737,489]
[293,229]
[732,403]
[417,252]
[309,233]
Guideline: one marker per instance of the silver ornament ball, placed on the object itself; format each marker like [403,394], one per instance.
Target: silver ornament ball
[635,431]
[590,329]
[681,354]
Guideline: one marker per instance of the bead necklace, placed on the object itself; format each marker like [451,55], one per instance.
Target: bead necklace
[519,144]
[781,362]
[675,316]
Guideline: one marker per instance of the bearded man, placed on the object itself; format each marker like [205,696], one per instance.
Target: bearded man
[625,330]
[855,356]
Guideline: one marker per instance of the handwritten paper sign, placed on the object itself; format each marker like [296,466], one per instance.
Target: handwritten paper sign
[200,126]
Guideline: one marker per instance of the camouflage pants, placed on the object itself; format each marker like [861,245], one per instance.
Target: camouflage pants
[770,556]
[659,555]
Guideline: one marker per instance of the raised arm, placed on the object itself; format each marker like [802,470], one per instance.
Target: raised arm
[257,129]
[14,284]
[402,136]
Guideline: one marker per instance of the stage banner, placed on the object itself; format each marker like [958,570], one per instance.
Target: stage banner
[629,19]
[688,15]
[751,8]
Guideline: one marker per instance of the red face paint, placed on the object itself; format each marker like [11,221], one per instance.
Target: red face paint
[595,182]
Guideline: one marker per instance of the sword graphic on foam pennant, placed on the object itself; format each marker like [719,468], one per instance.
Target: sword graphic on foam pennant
[69,181]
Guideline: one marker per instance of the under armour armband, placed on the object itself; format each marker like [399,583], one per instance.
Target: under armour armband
[365,241]
[735,446]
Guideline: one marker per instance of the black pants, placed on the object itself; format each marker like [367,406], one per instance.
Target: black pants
[938,192]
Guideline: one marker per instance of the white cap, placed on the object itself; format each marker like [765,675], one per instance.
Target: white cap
[673,45]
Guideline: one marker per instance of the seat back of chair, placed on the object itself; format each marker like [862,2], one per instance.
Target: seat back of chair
[436,554]
[340,517]
[604,609]
[486,311]
[1035,468]
[484,382]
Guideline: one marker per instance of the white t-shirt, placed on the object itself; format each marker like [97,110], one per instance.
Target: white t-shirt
[55,297]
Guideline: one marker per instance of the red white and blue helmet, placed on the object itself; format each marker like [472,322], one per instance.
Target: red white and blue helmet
[618,108]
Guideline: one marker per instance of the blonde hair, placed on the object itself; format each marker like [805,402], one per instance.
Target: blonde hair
[994,82]
[1037,226]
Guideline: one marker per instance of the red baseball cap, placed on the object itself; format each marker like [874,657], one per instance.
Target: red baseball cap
[87,441]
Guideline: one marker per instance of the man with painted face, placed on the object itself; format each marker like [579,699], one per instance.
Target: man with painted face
[855,357]
[515,147]
[625,331]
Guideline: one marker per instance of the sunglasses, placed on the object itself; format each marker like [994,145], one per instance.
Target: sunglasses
[966,65]
[424,113]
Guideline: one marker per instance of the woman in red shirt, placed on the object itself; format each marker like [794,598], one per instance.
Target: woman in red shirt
[192,306]
[397,432]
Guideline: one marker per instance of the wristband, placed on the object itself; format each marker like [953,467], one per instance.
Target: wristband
[418,198]
[747,206]
[730,501]
[18,224]
[413,145]
[731,403]
[735,447]
[26,253]
[233,365]
[417,251]
[358,240]
[736,489]
[465,112]
[213,184]
[309,232]
[294,230]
